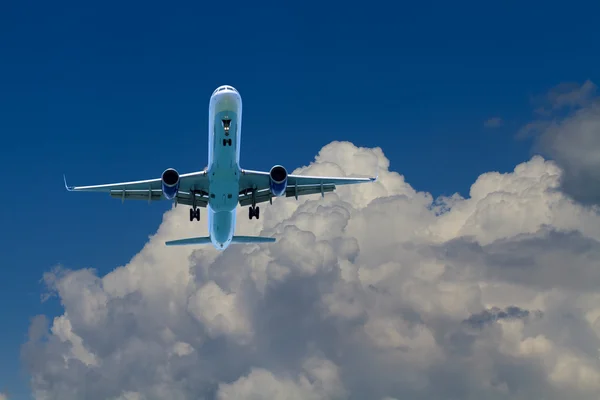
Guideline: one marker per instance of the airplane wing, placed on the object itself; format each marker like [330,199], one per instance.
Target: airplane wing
[297,185]
[191,185]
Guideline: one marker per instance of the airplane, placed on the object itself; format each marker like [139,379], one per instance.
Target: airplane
[223,184]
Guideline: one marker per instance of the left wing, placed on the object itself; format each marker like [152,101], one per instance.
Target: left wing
[191,185]
[297,185]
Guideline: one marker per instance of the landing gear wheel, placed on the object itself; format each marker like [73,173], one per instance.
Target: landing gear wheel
[253,211]
[194,214]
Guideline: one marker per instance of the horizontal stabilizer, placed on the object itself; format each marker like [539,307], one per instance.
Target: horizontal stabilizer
[196,240]
[252,239]
[206,240]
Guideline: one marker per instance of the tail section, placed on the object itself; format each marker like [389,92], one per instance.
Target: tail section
[252,239]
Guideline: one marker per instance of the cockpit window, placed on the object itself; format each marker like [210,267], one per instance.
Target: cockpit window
[225,87]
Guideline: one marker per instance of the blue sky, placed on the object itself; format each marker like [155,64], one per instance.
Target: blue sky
[119,91]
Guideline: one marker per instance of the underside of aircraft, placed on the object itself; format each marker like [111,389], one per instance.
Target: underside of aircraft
[223,185]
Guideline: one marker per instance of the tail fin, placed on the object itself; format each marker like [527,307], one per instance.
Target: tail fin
[252,239]
[181,242]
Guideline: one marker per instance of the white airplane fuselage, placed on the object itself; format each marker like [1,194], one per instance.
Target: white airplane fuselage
[223,164]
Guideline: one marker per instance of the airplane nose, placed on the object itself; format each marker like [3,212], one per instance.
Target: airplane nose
[225,89]
[227,99]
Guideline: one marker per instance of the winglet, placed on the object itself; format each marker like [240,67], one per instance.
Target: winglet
[376,174]
[69,188]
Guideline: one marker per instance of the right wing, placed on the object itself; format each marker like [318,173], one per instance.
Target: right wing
[298,185]
[194,184]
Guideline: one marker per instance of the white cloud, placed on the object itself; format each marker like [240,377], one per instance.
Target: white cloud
[219,312]
[569,133]
[377,291]
[3,396]
[182,349]
[319,381]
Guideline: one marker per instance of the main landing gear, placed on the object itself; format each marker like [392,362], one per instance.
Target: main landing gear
[195,210]
[253,211]
[195,213]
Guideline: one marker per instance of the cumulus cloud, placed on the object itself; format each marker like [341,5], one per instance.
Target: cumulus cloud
[568,131]
[320,380]
[377,291]
[3,396]
[494,122]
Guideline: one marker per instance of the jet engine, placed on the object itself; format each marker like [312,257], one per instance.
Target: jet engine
[170,183]
[278,180]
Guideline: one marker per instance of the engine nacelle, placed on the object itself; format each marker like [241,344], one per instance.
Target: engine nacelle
[278,176]
[170,183]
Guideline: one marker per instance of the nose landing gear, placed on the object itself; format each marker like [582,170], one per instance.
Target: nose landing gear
[226,123]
